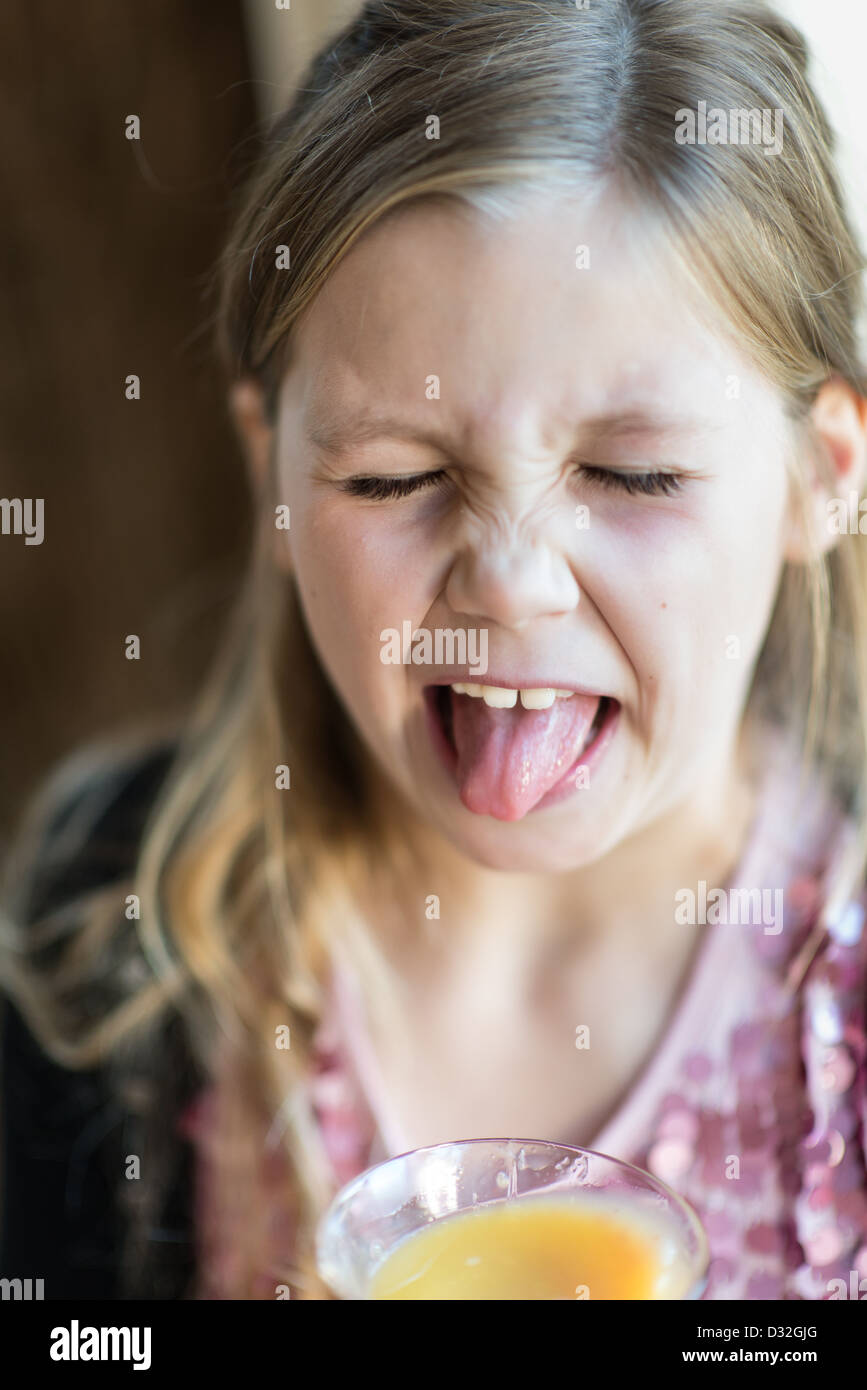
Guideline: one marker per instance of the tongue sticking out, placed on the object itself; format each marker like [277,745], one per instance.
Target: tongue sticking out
[509,758]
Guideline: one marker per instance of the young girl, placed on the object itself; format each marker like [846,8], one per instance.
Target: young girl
[526,365]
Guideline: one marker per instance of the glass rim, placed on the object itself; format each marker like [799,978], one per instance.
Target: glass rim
[701,1258]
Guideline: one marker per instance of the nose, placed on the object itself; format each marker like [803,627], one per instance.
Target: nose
[512,585]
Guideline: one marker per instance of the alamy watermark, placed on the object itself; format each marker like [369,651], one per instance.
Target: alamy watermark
[856,1291]
[734,906]
[17,518]
[76,1343]
[444,646]
[22,1289]
[847,516]
[740,126]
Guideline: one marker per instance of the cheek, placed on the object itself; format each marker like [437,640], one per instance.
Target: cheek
[687,594]
[745,563]
[354,580]
[371,560]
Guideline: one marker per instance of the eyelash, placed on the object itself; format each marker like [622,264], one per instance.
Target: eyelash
[383,489]
[643,484]
[636,484]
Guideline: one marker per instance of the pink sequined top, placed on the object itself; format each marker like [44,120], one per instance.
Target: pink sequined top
[753,1105]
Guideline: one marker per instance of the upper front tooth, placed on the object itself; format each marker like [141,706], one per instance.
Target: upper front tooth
[499,697]
[540,698]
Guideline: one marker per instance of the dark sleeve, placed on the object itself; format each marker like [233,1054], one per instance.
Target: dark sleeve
[63,1133]
[59,1130]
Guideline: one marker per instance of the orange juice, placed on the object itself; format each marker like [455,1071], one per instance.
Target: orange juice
[535,1247]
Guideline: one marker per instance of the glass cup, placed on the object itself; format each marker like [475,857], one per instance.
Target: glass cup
[390,1202]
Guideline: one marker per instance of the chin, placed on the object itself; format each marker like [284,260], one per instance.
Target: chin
[523,848]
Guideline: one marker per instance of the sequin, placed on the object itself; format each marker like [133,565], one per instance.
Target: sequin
[824,1247]
[670,1159]
[839,1070]
[679,1124]
[826,1019]
[820,1197]
[846,927]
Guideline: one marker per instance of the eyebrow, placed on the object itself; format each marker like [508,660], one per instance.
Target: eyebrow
[338,434]
[335,436]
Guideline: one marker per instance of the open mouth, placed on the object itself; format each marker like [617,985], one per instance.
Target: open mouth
[513,751]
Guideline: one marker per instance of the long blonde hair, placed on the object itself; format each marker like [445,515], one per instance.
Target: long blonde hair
[247,892]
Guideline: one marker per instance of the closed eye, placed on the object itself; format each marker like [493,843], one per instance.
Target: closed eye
[643,484]
[384,489]
[381,489]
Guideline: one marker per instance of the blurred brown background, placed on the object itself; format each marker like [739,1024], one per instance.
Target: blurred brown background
[107,249]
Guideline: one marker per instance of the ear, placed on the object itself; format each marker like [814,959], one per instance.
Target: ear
[256,435]
[258,440]
[836,469]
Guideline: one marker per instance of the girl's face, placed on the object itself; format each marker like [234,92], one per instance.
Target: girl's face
[599,505]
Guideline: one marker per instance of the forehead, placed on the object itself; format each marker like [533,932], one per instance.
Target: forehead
[578,305]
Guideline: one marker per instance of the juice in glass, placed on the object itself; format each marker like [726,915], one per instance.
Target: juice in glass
[536,1247]
[510,1219]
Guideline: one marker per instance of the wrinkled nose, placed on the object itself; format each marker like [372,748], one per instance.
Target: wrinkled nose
[512,585]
